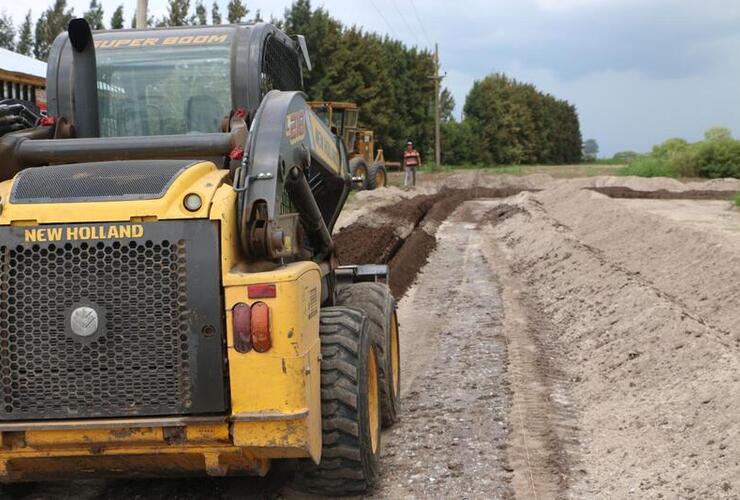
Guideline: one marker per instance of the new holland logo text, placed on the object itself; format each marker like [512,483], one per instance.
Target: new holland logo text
[75,233]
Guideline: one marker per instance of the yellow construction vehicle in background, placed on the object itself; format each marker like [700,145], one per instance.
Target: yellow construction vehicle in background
[170,299]
[366,160]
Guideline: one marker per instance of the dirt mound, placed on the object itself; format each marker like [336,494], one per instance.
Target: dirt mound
[701,269]
[648,184]
[641,322]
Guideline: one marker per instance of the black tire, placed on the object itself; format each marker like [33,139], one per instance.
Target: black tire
[358,168]
[377,176]
[377,302]
[349,453]
[17,490]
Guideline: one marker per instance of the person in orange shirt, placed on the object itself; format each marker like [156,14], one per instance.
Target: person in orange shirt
[411,161]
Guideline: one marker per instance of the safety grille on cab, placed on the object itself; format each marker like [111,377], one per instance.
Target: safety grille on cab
[137,364]
[280,68]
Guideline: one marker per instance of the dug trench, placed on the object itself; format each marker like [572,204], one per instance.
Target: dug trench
[486,414]
[402,235]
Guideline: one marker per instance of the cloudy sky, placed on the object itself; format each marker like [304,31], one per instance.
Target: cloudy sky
[639,71]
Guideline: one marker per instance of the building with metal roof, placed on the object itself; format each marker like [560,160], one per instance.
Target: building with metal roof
[22,77]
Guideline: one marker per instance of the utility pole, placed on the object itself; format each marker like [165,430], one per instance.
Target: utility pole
[141,11]
[437,78]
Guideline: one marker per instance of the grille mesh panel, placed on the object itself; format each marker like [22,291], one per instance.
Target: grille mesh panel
[280,67]
[117,180]
[140,363]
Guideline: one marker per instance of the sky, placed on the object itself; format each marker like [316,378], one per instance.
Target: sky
[638,71]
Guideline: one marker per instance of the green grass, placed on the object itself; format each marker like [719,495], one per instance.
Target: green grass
[737,200]
[606,161]
[649,167]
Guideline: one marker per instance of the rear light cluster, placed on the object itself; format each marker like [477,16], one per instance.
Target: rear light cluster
[252,323]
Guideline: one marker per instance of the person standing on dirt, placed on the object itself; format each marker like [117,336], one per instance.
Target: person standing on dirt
[411,161]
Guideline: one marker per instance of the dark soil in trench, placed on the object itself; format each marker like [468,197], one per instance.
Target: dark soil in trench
[662,194]
[405,255]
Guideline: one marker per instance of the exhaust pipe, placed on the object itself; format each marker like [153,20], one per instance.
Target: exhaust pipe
[85,79]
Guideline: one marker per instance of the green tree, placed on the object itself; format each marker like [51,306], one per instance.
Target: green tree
[590,149]
[52,21]
[718,158]
[670,147]
[200,13]
[717,134]
[215,13]
[515,123]
[446,105]
[459,143]
[177,13]
[7,32]
[25,37]
[94,15]
[237,11]
[116,21]
[625,157]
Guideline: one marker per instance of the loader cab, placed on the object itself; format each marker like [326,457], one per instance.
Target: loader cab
[176,80]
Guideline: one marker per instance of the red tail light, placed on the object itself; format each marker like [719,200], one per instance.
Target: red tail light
[262,291]
[242,320]
[261,339]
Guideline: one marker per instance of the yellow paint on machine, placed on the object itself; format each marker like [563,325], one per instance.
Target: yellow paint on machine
[203,179]
[275,396]
[282,384]
[323,143]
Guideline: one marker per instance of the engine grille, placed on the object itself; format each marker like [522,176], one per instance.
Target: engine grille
[106,181]
[143,361]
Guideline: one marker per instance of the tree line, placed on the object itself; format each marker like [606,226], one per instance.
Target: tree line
[509,122]
[504,122]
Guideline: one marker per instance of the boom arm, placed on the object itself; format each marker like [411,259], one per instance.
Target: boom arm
[292,163]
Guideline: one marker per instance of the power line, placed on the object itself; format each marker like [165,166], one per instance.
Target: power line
[403,18]
[390,28]
[418,20]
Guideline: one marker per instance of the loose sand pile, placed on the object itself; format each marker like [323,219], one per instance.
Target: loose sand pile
[645,324]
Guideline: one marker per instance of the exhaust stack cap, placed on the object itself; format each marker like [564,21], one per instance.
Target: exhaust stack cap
[80,34]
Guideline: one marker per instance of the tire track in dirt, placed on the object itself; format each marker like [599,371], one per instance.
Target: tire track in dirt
[451,440]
